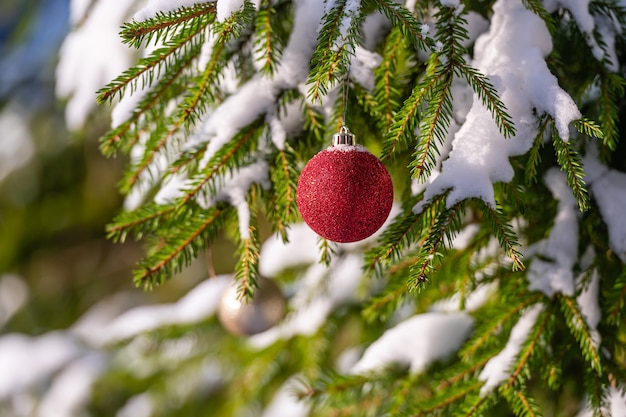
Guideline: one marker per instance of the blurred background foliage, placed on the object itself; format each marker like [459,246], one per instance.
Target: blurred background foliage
[57,192]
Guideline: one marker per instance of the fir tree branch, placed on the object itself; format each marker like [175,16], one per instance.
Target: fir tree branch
[589,128]
[489,97]
[522,404]
[446,225]
[402,231]
[433,126]
[516,379]
[154,102]
[387,95]
[331,57]
[539,9]
[268,44]
[141,33]
[534,155]
[501,228]
[448,397]
[570,161]
[612,88]
[404,125]
[383,306]
[158,59]
[181,247]
[484,334]
[247,268]
[199,96]
[400,17]
[327,251]
[579,328]
[284,183]
[139,222]
[616,300]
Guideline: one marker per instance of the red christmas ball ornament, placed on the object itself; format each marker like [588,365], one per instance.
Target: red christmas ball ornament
[344,192]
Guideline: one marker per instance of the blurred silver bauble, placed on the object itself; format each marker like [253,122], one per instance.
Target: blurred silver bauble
[265,310]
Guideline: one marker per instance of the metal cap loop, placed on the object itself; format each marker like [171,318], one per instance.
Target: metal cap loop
[344,137]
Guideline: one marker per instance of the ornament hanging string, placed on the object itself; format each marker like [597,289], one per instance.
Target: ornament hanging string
[346,86]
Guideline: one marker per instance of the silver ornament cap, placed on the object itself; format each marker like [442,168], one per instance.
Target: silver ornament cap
[344,137]
[265,310]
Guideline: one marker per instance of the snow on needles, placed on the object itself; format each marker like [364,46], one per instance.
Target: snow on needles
[417,342]
[512,55]
[608,188]
[91,56]
[497,369]
[561,247]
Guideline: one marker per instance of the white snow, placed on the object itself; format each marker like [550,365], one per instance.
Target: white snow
[235,188]
[160,6]
[321,290]
[561,247]
[362,65]
[26,360]
[302,249]
[498,367]
[417,342]
[199,303]
[91,56]
[225,8]
[590,306]
[351,10]
[608,188]
[512,55]
[473,301]
[71,389]
[616,401]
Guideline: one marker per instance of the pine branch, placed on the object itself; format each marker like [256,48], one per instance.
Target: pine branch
[400,17]
[503,231]
[158,61]
[268,43]
[229,156]
[521,403]
[433,127]
[140,222]
[612,88]
[284,179]
[387,93]
[589,128]
[383,306]
[446,225]
[499,317]
[570,161]
[404,125]
[489,97]
[596,387]
[327,251]
[247,268]
[181,247]
[164,25]
[616,300]
[445,399]
[579,328]
[540,329]
[534,155]
[405,229]
[152,106]
[331,57]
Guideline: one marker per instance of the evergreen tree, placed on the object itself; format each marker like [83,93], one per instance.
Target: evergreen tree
[497,286]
